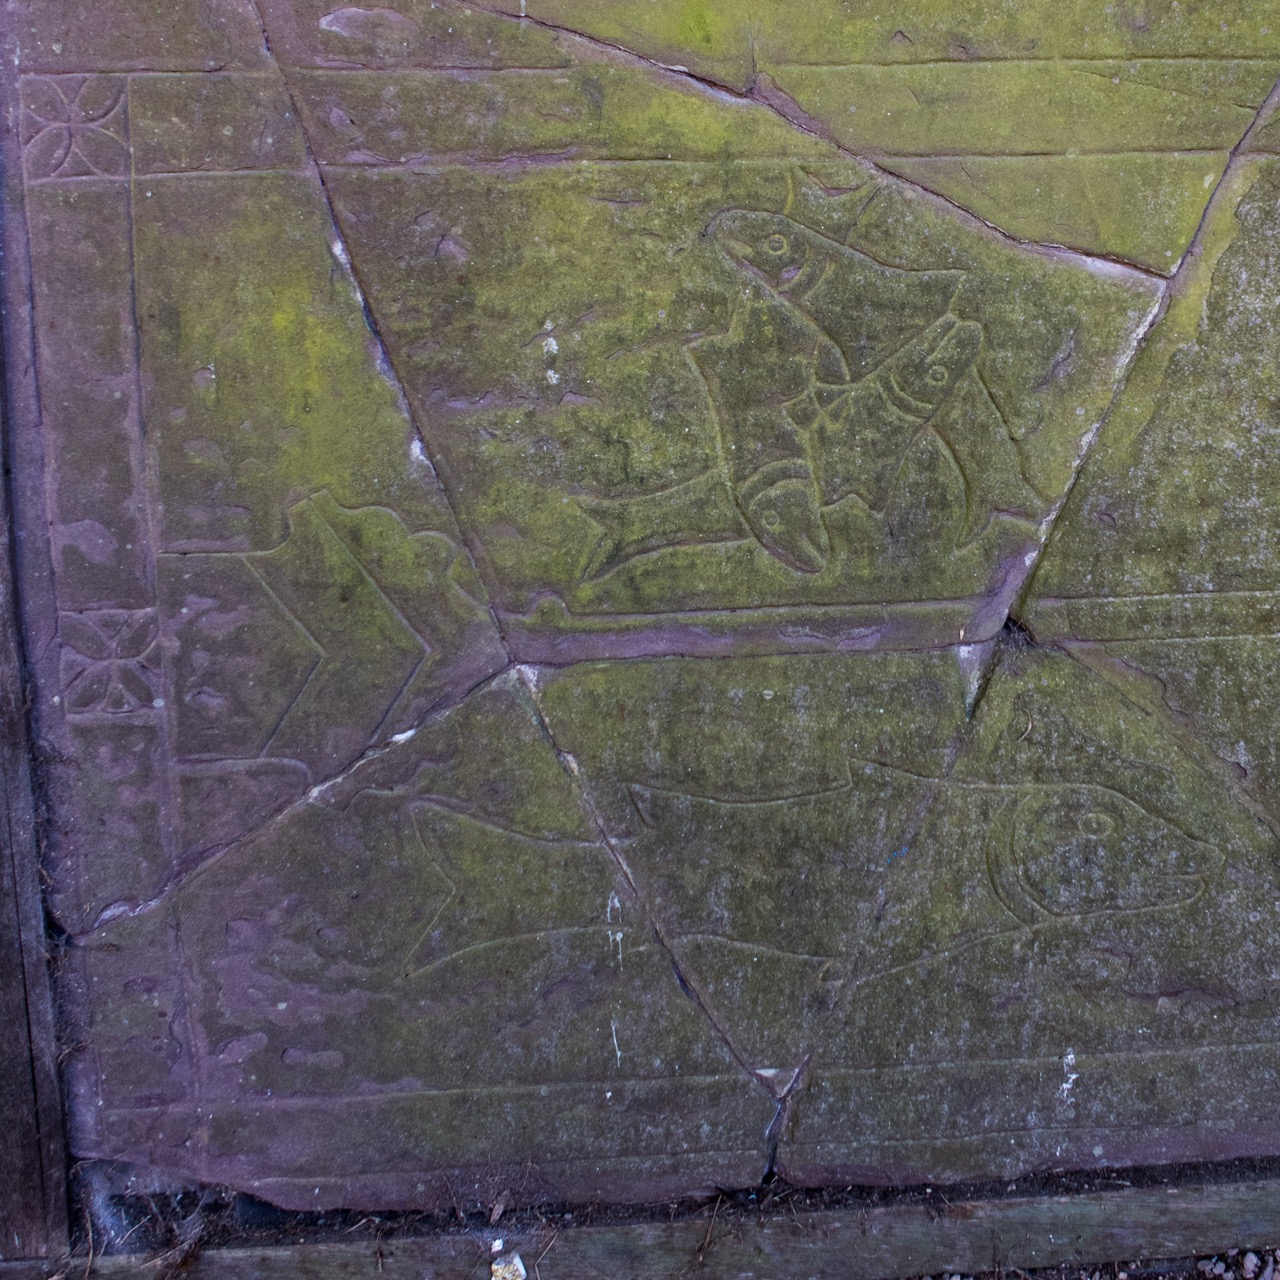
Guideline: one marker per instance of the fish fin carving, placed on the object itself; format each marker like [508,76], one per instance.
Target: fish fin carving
[974,433]
[697,510]
[610,549]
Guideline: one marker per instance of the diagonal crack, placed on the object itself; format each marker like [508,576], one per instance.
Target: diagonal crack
[1044,534]
[1169,290]
[1261,116]
[790,1096]
[769,93]
[762,90]
[1021,577]
[314,795]
[529,678]
[1168,293]
[386,362]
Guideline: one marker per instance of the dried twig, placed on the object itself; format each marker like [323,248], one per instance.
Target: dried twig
[701,1251]
[88,1266]
[537,1275]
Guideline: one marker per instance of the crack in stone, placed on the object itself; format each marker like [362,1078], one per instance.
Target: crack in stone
[386,365]
[314,795]
[1169,290]
[769,93]
[790,1097]
[782,1115]
[528,677]
[1268,106]
[1044,534]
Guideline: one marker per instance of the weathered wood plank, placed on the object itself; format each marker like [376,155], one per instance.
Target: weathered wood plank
[33,1219]
[21,1198]
[26,1270]
[901,1240]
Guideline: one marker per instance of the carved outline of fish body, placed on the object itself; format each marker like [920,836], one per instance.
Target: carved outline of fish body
[702,509]
[864,431]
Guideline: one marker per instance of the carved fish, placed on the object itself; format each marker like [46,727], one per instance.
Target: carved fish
[863,430]
[785,463]
[788,461]
[782,507]
[865,307]
[770,355]
[820,394]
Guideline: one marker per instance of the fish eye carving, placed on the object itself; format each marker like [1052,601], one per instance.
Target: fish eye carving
[1095,823]
[937,375]
[776,243]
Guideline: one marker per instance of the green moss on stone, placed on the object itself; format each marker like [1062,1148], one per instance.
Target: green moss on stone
[263,382]
[550,334]
[590,110]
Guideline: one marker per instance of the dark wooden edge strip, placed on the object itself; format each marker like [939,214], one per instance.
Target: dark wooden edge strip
[848,1244]
[33,1206]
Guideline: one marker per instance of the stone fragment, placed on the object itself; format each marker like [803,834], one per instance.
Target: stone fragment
[632,598]
[508,1267]
[441,941]
[1161,572]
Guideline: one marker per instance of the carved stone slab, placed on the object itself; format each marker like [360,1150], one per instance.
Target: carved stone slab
[626,596]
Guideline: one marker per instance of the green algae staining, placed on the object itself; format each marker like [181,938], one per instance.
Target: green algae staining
[876,353]
[865,307]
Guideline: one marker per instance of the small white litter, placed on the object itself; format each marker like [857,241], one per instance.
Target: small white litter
[508,1267]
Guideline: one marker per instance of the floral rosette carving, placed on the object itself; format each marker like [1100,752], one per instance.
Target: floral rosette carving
[74,126]
[110,660]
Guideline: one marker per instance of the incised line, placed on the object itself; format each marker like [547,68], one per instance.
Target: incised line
[567,762]
[391,371]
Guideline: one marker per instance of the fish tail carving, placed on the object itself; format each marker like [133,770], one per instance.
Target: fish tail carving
[699,510]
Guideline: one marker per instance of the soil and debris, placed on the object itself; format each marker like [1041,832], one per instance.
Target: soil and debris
[119,1211]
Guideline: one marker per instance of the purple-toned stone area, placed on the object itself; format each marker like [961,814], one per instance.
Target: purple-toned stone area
[625,598]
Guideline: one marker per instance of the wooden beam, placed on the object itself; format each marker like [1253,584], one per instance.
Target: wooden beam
[32,1190]
[897,1240]
[33,1209]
